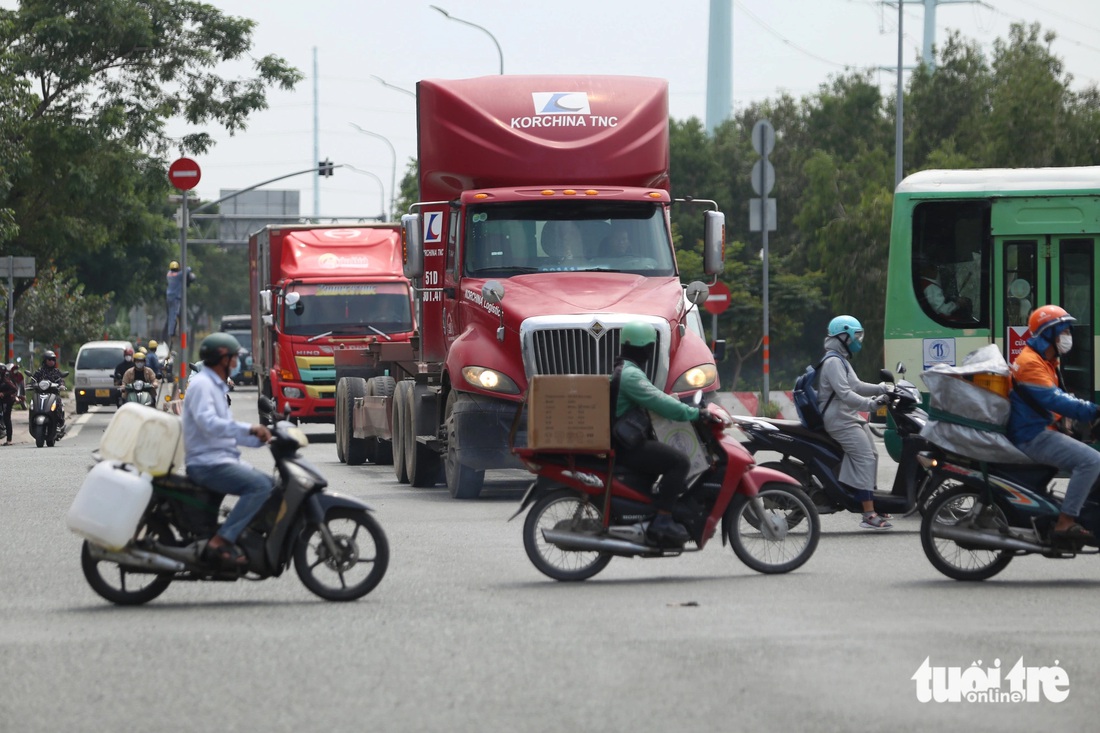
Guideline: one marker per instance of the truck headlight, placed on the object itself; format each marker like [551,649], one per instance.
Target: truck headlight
[698,377]
[489,379]
[292,392]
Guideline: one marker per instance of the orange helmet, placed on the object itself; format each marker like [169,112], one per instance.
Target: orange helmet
[1047,316]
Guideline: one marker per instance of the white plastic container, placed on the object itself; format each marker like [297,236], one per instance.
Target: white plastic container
[149,439]
[109,505]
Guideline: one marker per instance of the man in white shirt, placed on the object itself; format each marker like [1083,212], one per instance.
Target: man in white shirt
[211,437]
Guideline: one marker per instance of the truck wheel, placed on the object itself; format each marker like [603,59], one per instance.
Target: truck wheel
[81,407]
[397,430]
[355,449]
[341,420]
[462,481]
[421,462]
[383,449]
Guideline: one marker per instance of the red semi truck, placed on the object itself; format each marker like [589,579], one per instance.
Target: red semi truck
[543,229]
[315,288]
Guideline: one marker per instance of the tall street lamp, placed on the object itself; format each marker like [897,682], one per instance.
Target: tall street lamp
[393,170]
[473,25]
[396,88]
[381,189]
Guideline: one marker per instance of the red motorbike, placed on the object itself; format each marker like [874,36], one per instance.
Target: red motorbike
[585,510]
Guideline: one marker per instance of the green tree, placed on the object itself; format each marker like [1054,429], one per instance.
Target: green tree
[96,84]
[56,310]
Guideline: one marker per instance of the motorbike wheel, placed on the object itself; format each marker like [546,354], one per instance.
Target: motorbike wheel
[363,554]
[51,435]
[561,509]
[789,513]
[39,432]
[123,586]
[950,507]
[937,486]
[796,471]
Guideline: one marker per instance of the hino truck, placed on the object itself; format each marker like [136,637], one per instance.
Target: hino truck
[542,229]
[313,289]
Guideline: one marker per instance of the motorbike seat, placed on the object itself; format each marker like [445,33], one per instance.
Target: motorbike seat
[795,427]
[179,482]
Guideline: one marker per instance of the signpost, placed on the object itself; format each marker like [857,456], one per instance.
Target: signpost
[715,304]
[763,179]
[184,174]
[13,267]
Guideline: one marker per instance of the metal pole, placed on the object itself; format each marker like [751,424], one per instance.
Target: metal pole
[183,303]
[393,169]
[767,338]
[9,341]
[316,143]
[900,104]
[474,25]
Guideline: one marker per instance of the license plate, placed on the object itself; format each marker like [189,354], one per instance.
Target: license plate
[249,375]
[103,393]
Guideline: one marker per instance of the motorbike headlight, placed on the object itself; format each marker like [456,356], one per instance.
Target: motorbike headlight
[44,385]
[139,385]
[698,377]
[489,379]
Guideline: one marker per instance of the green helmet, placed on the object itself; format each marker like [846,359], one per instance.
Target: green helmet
[638,333]
[218,345]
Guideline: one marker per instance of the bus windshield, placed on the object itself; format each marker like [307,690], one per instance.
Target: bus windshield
[513,239]
[352,308]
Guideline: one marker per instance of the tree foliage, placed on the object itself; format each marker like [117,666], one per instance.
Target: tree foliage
[56,311]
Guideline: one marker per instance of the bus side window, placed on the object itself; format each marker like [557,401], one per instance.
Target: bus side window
[950,255]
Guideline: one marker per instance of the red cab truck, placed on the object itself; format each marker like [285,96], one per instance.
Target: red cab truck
[542,229]
[315,288]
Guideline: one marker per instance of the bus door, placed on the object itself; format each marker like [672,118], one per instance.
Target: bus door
[1034,270]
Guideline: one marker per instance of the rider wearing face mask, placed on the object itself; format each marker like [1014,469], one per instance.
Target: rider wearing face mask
[842,396]
[1039,402]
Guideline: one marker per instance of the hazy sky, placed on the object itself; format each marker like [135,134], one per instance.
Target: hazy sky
[778,45]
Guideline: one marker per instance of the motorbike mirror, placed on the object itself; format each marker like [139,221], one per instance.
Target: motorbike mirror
[900,369]
[885,375]
[267,410]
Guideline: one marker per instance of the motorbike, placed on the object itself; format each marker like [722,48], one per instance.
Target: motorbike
[979,516]
[813,458]
[585,510]
[141,392]
[339,550]
[45,412]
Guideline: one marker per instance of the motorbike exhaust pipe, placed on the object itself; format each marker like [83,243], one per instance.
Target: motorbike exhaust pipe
[135,558]
[586,543]
[983,540]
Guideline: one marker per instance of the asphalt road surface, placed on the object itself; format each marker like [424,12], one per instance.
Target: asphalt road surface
[463,634]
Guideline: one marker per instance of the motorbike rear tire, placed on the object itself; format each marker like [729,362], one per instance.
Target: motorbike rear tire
[120,593]
[948,507]
[311,553]
[783,504]
[558,508]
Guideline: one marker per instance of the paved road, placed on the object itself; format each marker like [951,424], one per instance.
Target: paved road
[464,634]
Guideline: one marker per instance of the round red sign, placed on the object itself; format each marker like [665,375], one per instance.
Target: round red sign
[719,299]
[184,174]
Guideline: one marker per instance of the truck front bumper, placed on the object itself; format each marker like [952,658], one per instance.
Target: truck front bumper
[317,404]
[482,427]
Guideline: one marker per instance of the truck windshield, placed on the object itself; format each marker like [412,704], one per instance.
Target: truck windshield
[513,239]
[352,308]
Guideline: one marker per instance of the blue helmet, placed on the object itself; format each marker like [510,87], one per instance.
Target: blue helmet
[842,325]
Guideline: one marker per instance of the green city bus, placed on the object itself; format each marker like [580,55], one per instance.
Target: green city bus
[973,252]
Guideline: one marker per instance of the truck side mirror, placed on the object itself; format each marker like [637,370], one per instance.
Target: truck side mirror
[718,348]
[412,246]
[714,242]
[265,301]
[697,292]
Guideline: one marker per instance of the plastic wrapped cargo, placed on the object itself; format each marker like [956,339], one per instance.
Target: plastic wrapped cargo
[969,407]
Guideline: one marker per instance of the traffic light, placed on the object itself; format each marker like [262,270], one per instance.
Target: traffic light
[325,167]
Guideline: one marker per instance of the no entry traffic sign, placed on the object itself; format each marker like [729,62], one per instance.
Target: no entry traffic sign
[184,174]
[719,299]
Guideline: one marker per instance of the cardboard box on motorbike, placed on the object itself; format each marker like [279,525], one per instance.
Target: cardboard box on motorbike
[569,412]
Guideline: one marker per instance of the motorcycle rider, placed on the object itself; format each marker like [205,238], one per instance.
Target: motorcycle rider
[152,361]
[211,437]
[859,467]
[50,372]
[1038,402]
[637,344]
[140,372]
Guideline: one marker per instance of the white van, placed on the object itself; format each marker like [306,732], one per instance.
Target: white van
[95,364]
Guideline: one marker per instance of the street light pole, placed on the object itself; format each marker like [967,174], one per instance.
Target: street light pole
[393,170]
[473,25]
[396,88]
[381,189]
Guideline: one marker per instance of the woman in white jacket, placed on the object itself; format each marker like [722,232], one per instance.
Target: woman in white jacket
[841,397]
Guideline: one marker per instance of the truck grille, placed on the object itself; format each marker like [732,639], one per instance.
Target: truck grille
[586,347]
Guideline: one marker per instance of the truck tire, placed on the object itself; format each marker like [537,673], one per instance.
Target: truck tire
[81,407]
[398,430]
[356,450]
[341,420]
[381,450]
[462,481]
[422,464]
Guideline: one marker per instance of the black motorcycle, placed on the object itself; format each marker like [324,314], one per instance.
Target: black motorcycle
[813,458]
[46,412]
[339,550]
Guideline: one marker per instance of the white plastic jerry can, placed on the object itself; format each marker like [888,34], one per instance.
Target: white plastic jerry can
[109,505]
